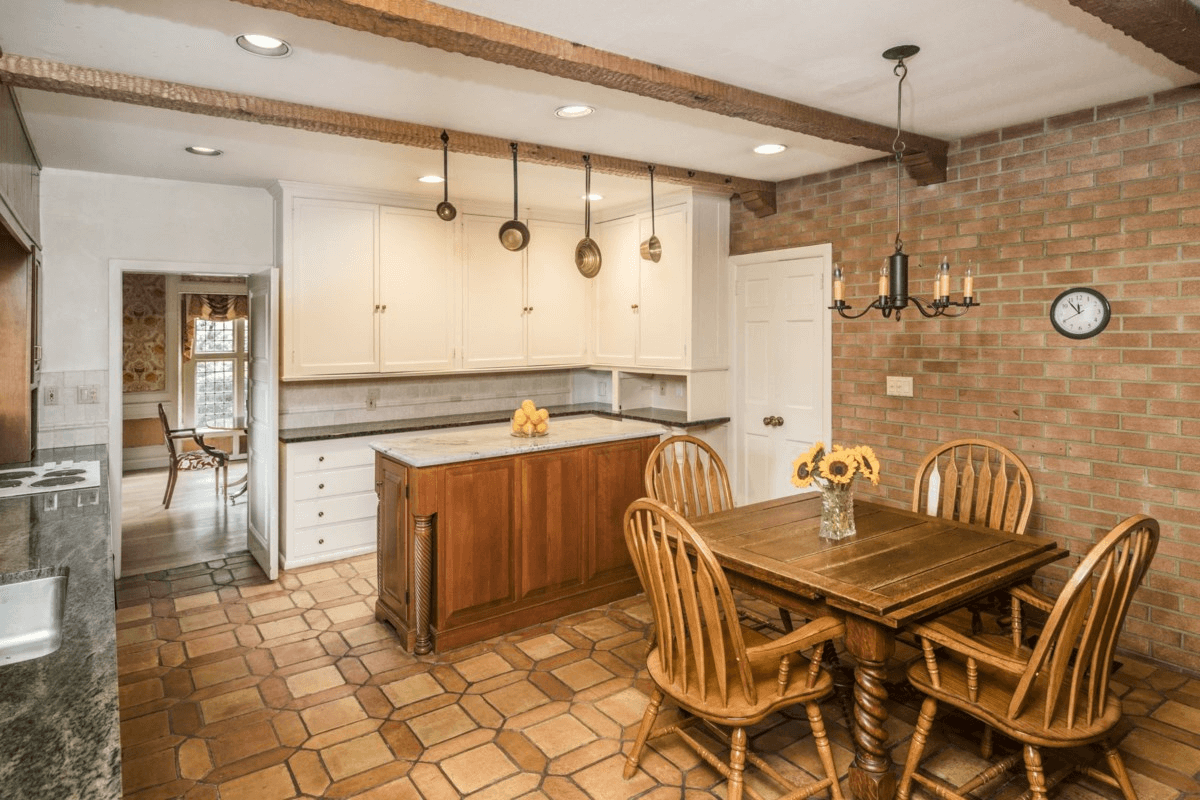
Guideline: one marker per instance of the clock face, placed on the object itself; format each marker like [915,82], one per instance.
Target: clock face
[1080,313]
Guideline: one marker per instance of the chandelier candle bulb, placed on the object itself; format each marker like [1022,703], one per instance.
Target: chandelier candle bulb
[883,282]
[968,285]
[944,280]
[839,286]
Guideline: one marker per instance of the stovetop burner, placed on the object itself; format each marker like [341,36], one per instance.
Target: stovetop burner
[49,477]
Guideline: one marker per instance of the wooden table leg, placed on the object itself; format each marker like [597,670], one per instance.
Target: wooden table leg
[871,776]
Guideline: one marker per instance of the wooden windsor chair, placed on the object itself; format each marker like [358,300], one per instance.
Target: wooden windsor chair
[1055,694]
[713,668]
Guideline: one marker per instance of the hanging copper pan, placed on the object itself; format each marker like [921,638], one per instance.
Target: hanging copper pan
[446,209]
[652,247]
[587,252]
[514,235]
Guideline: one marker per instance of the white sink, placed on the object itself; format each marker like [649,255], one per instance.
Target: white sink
[31,613]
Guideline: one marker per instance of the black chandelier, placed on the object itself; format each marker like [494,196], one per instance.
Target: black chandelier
[893,276]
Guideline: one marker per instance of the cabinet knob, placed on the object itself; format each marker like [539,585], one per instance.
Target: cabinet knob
[530,309]
[778,421]
[634,306]
[320,541]
[383,307]
[320,513]
[376,308]
[767,421]
[320,486]
[320,458]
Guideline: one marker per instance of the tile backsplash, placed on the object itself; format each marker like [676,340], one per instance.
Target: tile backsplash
[309,404]
[68,422]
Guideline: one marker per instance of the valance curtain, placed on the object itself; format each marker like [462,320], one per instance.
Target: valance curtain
[216,307]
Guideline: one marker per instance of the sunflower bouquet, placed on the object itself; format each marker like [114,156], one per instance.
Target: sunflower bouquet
[833,472]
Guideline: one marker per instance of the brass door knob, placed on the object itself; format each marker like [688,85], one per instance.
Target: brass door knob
[768,421]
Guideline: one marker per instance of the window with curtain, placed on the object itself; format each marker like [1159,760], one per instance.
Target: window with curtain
[214,355]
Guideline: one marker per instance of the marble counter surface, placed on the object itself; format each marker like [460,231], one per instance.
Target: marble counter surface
[664,416]
[59,724]
[431,448]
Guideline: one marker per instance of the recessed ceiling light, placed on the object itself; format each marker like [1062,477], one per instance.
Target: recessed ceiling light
[572,112]
[770,149]
[266,46]
[431,179]
[593,197]
[198,150]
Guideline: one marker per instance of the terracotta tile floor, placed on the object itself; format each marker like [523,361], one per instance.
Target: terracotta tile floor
[233,687]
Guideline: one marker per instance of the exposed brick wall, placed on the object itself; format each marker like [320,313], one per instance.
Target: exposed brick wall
[1106,197]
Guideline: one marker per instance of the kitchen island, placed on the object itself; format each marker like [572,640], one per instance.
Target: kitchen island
[481,533]
[59,726]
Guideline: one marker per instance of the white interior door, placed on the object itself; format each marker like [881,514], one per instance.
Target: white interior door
[783,366]
[262,535]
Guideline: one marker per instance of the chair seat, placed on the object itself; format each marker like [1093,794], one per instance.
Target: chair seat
[196,460]
[995,692]
[739,711]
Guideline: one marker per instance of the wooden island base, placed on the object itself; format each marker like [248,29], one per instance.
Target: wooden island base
[476,549]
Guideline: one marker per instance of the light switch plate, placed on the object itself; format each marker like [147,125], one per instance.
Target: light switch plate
[899,387]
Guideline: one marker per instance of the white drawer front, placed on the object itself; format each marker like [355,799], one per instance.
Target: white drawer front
[324,511]
[314,456]
[314,485]
[310,541]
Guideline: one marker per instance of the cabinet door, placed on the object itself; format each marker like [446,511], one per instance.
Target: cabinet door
[557,296]
[553,521]
[665,293]
[615,471]
[617,291]
[476,529]
[394,564]
[329,289]
[493,297]
[417,291]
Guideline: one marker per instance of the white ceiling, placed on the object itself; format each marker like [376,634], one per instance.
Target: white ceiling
[983,64]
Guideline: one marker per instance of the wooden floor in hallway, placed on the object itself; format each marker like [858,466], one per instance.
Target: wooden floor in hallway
[201,525]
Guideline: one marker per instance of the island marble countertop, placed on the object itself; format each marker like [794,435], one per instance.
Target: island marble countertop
[59,725]
[431,448]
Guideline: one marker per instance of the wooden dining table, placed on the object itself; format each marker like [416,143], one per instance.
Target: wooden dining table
[900,567]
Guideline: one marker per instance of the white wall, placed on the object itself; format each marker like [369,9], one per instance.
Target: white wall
[89,219]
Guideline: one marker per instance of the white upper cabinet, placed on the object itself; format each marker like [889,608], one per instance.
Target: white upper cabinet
[557,297]
[493,297]
[329,289]
[418,288]
[671,314]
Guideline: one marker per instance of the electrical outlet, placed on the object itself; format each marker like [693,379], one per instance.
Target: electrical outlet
[604,388]
[372,397]
[85,395]
[50,396]
[899,387]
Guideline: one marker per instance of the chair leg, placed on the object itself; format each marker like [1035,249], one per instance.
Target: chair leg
[824,751]
[985,743]
[1116,765]
[1035,773]
[737,764]
[916,747]
[635,755]
[172,476]
[785,619]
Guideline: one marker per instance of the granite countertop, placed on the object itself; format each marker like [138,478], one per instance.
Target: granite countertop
[664,416]
[426,449]
[59,724]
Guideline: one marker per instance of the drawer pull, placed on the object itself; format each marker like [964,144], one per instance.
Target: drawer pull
[320,486]
[320,541]
[320,513]
[320,458]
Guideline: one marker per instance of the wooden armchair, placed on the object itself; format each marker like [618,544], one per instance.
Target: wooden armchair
[1053,695]
[713,668]
[204,458]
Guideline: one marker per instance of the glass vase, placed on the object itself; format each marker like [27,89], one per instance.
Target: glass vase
[837,513]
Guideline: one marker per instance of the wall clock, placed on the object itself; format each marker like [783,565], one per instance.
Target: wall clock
[1080,313]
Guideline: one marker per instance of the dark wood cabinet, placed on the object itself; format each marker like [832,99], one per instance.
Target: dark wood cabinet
[495,545]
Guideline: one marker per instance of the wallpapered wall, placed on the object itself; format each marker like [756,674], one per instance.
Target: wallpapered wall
[145,333]
[1105,197]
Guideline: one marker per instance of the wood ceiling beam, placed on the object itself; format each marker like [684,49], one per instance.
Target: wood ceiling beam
[1168,27]
[53,76]
[455,31]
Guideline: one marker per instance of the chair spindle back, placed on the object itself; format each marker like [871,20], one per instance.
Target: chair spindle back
[975,481]
[687,474]
[695,619]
